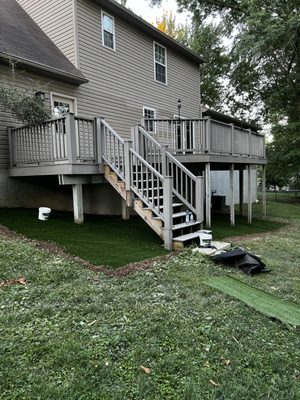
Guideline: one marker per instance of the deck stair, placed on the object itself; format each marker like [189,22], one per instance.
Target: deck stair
[155,184]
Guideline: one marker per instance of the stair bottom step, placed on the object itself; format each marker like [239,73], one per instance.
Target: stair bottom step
[187,237]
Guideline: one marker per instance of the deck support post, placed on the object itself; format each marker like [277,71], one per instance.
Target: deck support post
[78,203]
[263,192]
[207,196]
[125,210]
[232,216]
[199,199]
[168,212]
[241,191]
[249,194]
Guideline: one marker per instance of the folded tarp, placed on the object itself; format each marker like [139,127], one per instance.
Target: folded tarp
[247,262]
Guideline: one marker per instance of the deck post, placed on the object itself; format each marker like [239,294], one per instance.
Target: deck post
[232,216]
[168,211]
[78,203]
[11,148]
[164,168]
[249,194]
[199,198]
[70,138]
[207,134]
[135,138]
[250,142]
[99,140]
[125,210]
[232,139]
[241,191]
[127,168]
[263,192]
[207,196]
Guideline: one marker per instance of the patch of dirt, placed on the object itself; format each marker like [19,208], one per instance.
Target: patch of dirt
[53,248]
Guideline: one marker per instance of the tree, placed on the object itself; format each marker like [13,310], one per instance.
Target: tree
[284,156]
[205,40]
[25,105]
[265,51]
[264,57]
[167,24]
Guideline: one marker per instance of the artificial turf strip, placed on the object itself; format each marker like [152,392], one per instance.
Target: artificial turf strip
[261,301]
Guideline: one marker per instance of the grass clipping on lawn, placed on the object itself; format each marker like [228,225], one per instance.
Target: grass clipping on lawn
[261,301]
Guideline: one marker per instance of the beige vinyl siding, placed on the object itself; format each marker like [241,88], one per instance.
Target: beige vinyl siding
[122,81]
[57,19]
[30,83]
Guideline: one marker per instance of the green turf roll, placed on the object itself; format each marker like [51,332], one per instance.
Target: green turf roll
[261,301]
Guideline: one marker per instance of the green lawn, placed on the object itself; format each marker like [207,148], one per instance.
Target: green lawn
[110,240]
[74,334]
[101,240]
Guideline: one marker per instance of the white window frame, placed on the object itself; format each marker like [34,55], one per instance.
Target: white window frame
[114,30]
[157,62]
[154,111]
[63,96]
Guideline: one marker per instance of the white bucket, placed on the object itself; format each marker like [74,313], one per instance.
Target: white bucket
[205,239]
[44,213]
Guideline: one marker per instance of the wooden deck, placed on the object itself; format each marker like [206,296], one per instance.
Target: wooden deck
[207,140]
[74,146]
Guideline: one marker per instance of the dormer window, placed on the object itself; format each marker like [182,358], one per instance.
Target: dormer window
[160,63]
[108,31]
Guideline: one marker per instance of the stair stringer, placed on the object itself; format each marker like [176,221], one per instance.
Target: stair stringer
[115,182]
[138,205]
[147,216]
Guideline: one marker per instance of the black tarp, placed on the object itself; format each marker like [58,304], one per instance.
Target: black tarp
[247,262]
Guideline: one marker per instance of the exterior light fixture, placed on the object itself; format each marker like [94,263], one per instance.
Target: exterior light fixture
[40,95]
[178,107]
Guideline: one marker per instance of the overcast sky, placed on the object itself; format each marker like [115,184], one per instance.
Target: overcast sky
[142,8]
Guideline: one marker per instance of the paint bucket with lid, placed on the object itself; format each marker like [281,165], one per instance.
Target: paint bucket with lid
[44,213]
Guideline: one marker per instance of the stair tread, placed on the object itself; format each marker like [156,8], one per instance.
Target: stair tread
[174,205]
[186,237]
[184,225]
[179,214]
[176,215]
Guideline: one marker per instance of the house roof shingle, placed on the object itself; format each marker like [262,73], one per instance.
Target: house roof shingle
[22,40]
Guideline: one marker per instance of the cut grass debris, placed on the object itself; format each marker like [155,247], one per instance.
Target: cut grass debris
[262,301]
[71,333]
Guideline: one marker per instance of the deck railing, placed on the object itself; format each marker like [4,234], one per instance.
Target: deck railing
[206,135]
[73,140]
[67,139]
[113,149]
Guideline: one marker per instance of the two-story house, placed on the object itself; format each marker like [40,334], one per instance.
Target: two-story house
[120,138]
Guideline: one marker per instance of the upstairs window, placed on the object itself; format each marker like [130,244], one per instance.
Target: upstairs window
[108,31]
[160,63]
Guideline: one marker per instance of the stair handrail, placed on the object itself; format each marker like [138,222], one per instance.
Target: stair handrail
[149,148]
[112,149]
[187,187]
[189,193]
[141,187]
